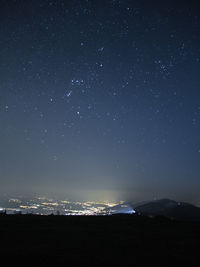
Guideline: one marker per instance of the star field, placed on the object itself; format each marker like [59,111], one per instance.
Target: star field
[100,95]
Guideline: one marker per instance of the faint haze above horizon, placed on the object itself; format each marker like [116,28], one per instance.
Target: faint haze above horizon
[100,99]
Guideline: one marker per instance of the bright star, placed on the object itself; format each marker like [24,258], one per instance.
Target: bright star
[68,94]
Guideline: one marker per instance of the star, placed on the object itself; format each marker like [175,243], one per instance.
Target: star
[68,94]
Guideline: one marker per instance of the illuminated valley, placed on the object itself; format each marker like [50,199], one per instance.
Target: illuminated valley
[46,206]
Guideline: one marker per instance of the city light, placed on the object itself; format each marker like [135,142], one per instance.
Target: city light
[45,206]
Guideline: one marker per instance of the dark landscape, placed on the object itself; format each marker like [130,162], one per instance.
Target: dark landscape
[117,240]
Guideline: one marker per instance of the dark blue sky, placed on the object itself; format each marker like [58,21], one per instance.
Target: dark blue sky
[100,96]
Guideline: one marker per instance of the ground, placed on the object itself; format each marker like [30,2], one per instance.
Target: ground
[120,240]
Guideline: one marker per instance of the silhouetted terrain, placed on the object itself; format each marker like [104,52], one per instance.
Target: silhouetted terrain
[169,208]
[162,207]
[118,240]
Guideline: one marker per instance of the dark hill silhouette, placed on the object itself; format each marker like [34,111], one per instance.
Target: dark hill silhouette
[169,208]
[117,240]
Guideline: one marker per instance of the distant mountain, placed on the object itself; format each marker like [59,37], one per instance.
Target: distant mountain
[168,208]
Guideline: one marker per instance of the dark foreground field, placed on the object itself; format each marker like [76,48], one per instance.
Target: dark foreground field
[98,241]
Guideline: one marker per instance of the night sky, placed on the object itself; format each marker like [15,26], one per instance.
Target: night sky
[100,97]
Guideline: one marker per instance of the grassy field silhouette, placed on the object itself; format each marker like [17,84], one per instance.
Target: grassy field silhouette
[119,240]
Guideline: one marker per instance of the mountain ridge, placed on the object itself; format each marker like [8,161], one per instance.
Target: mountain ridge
[168,208]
